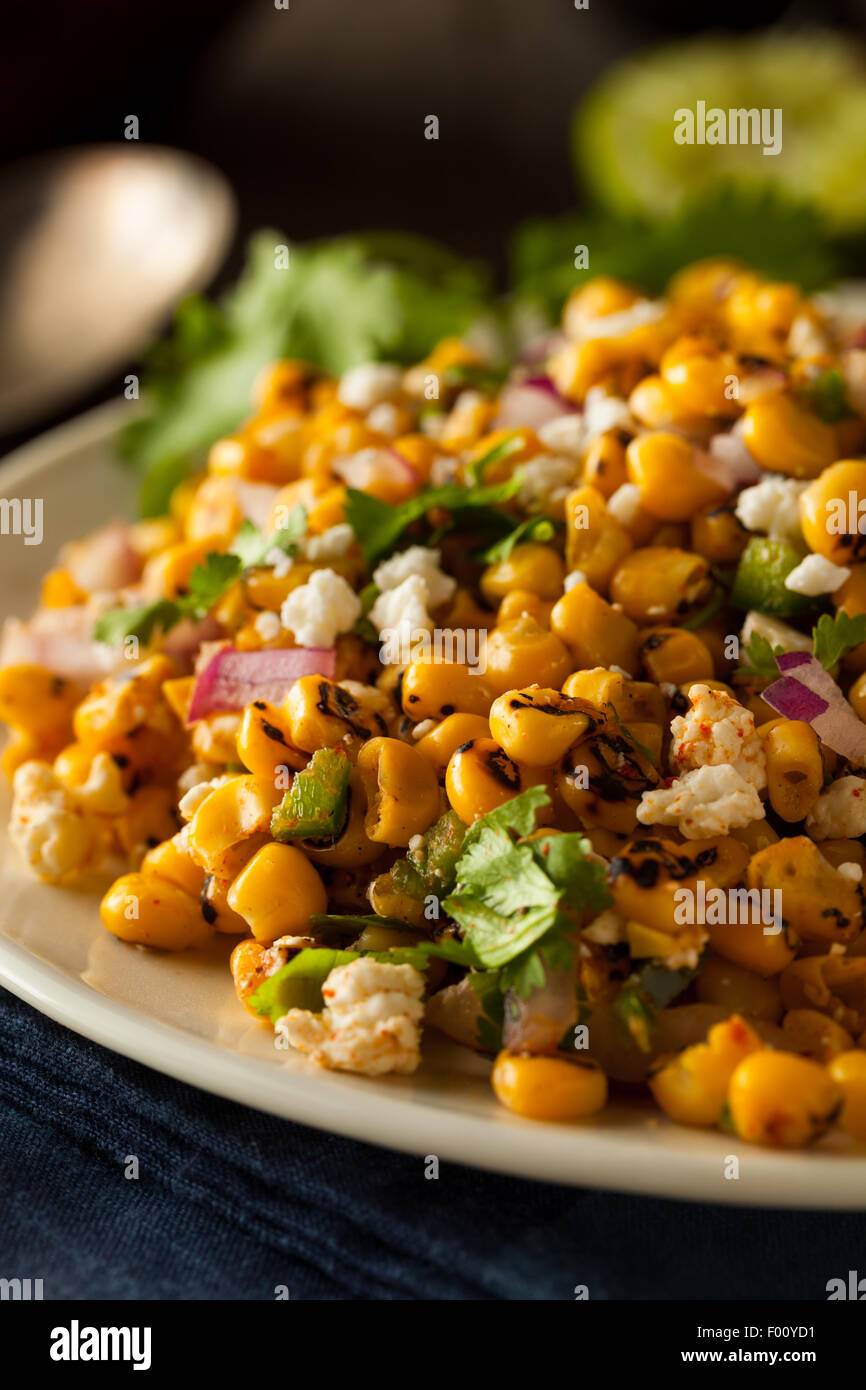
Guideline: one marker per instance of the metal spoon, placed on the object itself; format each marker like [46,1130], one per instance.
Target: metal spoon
[96,246]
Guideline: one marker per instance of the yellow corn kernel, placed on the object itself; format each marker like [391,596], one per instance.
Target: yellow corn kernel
[595,543]
[848,1072]
[23,748]
[589,774]
[435,689]
[119,705]
[172,860]
[402,791]
[515,605]
[814,1034]
[676,656]
[59,590]
[831,509]
[538,725]
[466,422]
[759,314]
[596,633]
[215,513]
[178,693]
[701,378]
[549,1088]
[703,285]
[604,465]
[838,852]
[741,991]
[321,713]
[795,771]
[654,405]
[779,1099]
[443,741]
[215,887]
[166,575]
[154,912]
[750,945]
[264,741]
[150,817]
[34,699]
[281,383]
[578,366]
[672,487]
[658,583]
[232,812]
[692,1087]
[531,566]
[521,653]
[480,777]
[638,702]
[599,296]
[818,902]
[718,535]
[278,892]
[784,438]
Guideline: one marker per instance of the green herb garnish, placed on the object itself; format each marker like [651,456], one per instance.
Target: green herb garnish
[380,527]
[534,528]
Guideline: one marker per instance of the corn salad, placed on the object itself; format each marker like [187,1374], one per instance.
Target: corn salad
[526,704]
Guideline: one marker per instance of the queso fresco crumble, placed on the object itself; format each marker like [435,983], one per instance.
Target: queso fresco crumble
[654,541]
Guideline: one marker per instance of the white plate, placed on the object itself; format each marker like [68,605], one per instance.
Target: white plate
[178,1013]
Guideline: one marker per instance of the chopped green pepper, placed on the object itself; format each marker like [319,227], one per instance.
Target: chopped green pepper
[760,579]
[315,804]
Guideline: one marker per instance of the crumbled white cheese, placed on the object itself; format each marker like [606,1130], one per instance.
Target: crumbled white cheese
[815,575]
[268,626]
[369,384]
[624,504]
[777,633]
[772,507]
[606,929]
[546,481]
[371,1022]
[572,580]
[280,562]
[806,338]
[564,434]
[707,801]
[718,730]
[398,615]
[851,871]
[193,775]
[47,828]
[840,812]
[330,545]
[318,611]
[192,799]
[421,562]
[602,412]
[384,418]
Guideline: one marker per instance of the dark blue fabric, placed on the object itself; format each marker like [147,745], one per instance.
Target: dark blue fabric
[231,1203]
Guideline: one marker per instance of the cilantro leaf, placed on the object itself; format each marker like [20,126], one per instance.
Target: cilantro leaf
[833,637]
[142,622]
[565,860]
[379,526]
[498,937]
[516,816]
[208,582]
[761,658]
[504,449]
[487,986]
[534,528]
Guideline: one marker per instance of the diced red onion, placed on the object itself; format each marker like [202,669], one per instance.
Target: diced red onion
[60,640]
[730,462]
[530,404]
[231,679]
[368,467]
[256,500]
[818,701]
[104,561]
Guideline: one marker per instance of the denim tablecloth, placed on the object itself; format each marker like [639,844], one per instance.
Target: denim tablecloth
[231,1203]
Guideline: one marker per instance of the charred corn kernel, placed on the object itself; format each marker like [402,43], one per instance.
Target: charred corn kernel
[549,1088]
[814,1034]
[480,777]
[119,705]
[692,1087]
[657,584]
[155,912]
[672,486]
[831,509]
[779,1099]
[518,603]
[150,817]
[795,772]
[818,902]
[702,379]
[848,1072]
[521,653]
[166,575]
[595,543]
[538,725]
[717,535]
[636,702]
[602,780]
[281,383]
[442,742]
[604,464]
[353,846]
[172,860]
[59,590]
[838,852]
[178,693]
[239,808]
[264,741]
[753,943]
[784,438]
[595,633]
[251,964]
[402,791]
[834,984]
[434,690]
[278,892]
[722,982]
[321,713]
[674,655]
[725,857]
[34,699]
[531,566]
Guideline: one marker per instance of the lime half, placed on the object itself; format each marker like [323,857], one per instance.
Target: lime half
[624,129]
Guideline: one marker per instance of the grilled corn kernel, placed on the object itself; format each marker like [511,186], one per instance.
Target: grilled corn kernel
[251,964]
[321,713]
[674,655]
[264,741]
[523,652]
[848,1072]
[595,633]
[155,912]
[784,438]
[439,745]
[538,725]
[436,689]
[172,860]
[604,466]
[634,701]
[795,771]
[816,1035]
[531,566]
[123,703]
[595,542]
[692,1087]
[480,777]
[658,584]
[518,603]
[818,902]
[402,791]
[672,487]
[718,536]
[278,892]
[722,982]
[701,378]
[779,1099]
[831,509]
[549,1088]
[232,812]
[34,699]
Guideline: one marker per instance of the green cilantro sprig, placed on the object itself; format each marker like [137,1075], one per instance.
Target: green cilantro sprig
[208,582]
[761,658]
[380,527]
[504,449]
[534,528]
[832,638]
